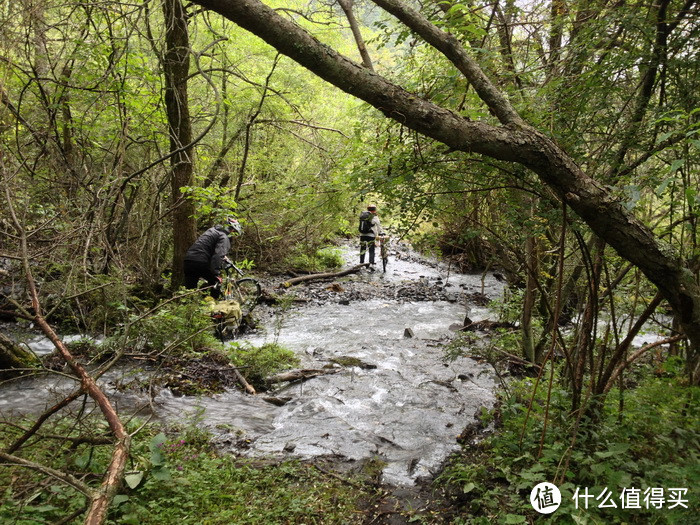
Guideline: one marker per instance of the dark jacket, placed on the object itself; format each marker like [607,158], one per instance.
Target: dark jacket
[211,247]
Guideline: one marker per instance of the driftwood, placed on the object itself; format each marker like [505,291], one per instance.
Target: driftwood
[485,325]
[12,355]
[277,401]
[247,386]
[303,374]
[322,276]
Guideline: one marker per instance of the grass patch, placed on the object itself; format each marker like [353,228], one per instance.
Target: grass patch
[322,260]
[259,362]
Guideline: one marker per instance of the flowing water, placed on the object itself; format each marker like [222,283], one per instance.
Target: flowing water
[398,401]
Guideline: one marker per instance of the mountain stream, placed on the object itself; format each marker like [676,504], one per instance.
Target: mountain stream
[399,402]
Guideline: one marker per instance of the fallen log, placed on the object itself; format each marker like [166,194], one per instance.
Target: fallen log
[322,276]
[247,386]
[12,355]
[277,401]
[302,374]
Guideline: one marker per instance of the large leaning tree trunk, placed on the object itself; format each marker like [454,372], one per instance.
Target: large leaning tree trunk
[176,67]
[514,140]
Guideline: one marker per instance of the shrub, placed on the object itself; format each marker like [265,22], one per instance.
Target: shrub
[321,260]
[179,326]
[652,442]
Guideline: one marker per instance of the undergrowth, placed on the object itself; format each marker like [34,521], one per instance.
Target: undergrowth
[323,259]
[172,477]
[646,439]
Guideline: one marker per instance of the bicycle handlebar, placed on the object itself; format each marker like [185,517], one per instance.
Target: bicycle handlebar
[229,264]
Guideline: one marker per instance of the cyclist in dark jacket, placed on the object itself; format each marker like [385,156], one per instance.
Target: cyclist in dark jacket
[207,256]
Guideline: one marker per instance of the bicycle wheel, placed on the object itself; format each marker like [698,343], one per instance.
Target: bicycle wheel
[385,254]
[247,292]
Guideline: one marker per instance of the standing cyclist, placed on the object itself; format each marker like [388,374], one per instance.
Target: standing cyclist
[370,229]
[207,256]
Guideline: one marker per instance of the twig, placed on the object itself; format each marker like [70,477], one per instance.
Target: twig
[62,476]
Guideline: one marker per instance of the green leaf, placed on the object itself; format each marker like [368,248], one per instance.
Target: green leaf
[663,136]
[606,454]
[662,187]
[156,447]
[83,460]
[676,165]
[44,508]
[466,489]
[133,479]
[162,473]
[119,499]
[514,518]
[157,441]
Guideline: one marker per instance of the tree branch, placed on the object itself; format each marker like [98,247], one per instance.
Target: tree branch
[100,499]
[61,476]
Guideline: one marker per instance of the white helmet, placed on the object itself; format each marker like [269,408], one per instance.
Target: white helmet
[233,226]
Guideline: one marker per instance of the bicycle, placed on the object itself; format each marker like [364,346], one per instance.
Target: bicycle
[243,291]
[383,242]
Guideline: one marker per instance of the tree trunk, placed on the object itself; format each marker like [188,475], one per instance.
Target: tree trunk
[528,339]
[176,67]
[513,141]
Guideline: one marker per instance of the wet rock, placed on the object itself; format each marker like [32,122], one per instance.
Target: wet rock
[277,401]
[408,333]
[348,361]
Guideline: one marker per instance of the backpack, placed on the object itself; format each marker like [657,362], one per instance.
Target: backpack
[365,222]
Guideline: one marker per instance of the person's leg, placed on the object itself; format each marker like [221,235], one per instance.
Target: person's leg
[371,246]
[192,274]
[363,250]
[194,271]
[212,282]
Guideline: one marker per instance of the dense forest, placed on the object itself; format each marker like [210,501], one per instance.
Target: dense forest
[557,142]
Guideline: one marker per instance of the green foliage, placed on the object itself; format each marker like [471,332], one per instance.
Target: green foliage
[652,442]
[207,488]
[178,326]
[320,260]
[174,476]
[257,363]
[213,204]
